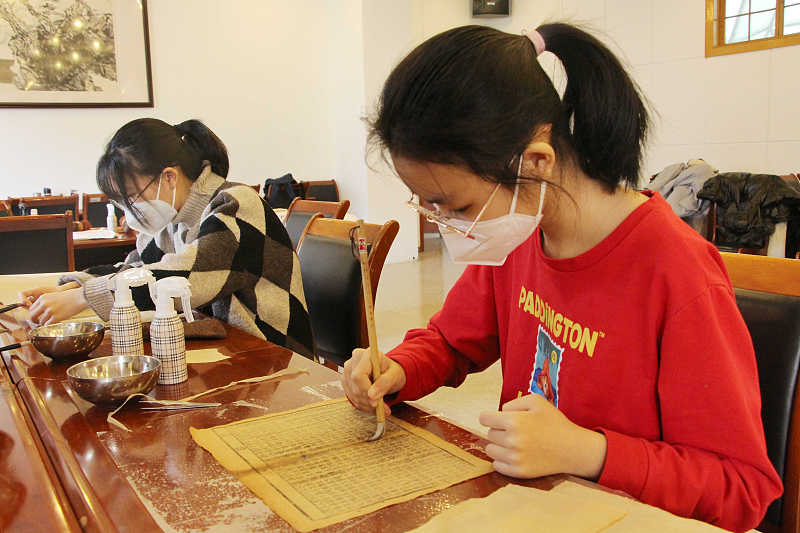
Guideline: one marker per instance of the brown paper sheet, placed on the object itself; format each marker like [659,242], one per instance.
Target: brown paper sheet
[314,467]
[640,516]
[518,509]
[207,355]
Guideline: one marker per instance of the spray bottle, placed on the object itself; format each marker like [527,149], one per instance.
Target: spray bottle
[166,331]
[125,321]
[111,218]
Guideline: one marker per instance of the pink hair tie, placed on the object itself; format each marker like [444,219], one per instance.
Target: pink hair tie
[537,40]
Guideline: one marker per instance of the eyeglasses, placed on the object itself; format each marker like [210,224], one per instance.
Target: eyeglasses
[443,221]
[132,199]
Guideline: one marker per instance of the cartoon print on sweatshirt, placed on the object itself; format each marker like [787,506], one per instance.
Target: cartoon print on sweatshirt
[544,378]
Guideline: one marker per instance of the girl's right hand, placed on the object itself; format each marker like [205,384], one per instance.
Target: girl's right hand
[358,385]
[29,297]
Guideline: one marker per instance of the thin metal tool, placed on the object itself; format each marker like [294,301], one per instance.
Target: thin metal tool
[369,311]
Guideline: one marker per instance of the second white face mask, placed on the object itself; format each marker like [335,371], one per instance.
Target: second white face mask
[157,214]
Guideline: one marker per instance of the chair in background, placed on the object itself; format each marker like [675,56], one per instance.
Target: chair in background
[257,188]
[326,209]
[301,211]
[768,295]
[323,190]
[332,282]
[46,205]
[95,211]
[34,244]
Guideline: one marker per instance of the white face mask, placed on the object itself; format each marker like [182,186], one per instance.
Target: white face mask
[490,242]
[157,214]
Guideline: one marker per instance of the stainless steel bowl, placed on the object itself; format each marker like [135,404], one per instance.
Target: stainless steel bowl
[67,339]
[108,381]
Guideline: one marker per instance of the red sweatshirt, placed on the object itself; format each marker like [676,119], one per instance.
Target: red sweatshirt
[639,338]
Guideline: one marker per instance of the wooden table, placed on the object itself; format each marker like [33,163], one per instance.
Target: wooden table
[157,478]
[92,252]
[31,495]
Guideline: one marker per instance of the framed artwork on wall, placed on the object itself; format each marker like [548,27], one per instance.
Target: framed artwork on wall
[74,53]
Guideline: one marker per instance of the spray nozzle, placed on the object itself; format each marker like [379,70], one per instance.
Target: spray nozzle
[132,277]
[168,288]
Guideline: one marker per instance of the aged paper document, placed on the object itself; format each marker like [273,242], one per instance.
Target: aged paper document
[314,468]
[640,516]
[518,509]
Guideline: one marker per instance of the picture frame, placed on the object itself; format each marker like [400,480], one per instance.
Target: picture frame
[75,53]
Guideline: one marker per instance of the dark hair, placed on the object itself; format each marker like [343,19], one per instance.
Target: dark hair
[146,146]
[474,96]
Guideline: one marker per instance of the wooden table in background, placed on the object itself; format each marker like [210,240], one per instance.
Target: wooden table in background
[93,252]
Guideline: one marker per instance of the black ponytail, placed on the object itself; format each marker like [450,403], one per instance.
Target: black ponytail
[608,115]
[146,146]
[474,96]
[206,144]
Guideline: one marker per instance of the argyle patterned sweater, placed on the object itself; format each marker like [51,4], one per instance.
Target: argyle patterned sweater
[237,256]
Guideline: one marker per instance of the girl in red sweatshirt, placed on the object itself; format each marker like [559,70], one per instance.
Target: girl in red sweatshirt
[615,321]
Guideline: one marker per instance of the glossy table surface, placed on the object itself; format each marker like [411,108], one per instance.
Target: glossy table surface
[156,477]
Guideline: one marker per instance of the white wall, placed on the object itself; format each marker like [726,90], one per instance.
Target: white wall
[739,112]
[280,82]
[391,30]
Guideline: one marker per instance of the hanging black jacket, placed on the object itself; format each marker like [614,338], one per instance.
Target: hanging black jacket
[749,206]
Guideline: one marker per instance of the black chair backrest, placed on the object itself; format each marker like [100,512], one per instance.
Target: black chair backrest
[96,212]
[774,324]
[56,209]
[34,251]
[332,286]
[295,224]
[323,192]
[280,192]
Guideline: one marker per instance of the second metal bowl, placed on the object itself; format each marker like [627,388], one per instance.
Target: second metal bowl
[67,339]
[108,381]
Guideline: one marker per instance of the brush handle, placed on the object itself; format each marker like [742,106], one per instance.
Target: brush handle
[9,307]
[369,311]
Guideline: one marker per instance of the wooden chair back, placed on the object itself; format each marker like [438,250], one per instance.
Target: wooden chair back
[327,209]
[95,211]
[332,282]
[768,295]
[47,205]
[35,244]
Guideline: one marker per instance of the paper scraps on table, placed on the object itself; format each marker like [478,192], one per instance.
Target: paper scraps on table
[149,403]
[208,355]
[519,509]
[282,374]
[154,405]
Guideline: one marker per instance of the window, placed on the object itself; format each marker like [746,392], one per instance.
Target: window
[734,26]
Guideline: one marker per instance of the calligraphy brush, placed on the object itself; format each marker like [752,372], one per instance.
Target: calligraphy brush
[369,311]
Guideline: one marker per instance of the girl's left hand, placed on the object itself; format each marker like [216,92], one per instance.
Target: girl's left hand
[530,438]
[53,307]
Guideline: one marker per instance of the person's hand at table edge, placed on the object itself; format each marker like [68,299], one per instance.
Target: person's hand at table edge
[53,307]
[358,385]
[531,438]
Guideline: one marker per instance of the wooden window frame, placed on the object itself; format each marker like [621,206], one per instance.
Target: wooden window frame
[718,26]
